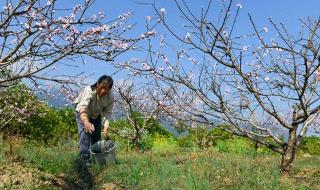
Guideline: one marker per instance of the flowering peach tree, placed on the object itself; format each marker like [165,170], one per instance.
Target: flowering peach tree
[216,74]
[134,102]
[39,36]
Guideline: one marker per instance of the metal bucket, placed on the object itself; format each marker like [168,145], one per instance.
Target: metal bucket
[103,152]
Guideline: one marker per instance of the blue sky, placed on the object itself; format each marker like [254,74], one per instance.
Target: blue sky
[286,11]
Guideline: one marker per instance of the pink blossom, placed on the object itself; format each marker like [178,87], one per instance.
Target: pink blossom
[151,33]
[142,36]
[148,18]
[8,7]
[166,60]
[317,74]
[32,14]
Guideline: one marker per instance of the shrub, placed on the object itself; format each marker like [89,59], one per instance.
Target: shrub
[147,142]
[311,145]
[54,125]
[204,137]
[185,142]
[161,141]
[145,138]
[236,145]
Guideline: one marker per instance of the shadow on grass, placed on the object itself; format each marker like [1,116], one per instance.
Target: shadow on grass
[77,178]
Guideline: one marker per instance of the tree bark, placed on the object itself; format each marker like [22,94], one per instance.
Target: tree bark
[136,140]
[255,151]
[289,153]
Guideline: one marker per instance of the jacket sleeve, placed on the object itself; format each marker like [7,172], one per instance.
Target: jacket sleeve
[107,113]
[84,99]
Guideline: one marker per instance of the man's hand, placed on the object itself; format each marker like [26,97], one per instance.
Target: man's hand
[105,132]
[88,127]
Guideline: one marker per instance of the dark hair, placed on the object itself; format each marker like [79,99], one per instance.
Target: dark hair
[105,79]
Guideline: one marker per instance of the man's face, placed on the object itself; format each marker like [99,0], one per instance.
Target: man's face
[102,89]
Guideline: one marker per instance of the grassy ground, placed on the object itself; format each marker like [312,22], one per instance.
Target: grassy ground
[55,167]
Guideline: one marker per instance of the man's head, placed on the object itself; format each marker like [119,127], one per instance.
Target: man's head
[103,85]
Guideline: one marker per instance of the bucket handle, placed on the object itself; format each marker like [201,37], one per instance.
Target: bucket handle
[110,149]
[104,151]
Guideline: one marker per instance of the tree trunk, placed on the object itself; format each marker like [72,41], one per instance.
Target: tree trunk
[256,146]
[290,152]
[136,140]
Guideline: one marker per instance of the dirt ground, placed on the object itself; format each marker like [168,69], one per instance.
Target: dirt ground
[20,175]
[17,174]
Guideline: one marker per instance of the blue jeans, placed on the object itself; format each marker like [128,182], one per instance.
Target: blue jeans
[87,139]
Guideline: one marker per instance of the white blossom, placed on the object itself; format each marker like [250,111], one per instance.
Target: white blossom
[245,48]
[265,29]
[187,36]
[162,41]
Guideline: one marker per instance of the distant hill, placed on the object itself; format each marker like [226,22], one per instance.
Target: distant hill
[55,98]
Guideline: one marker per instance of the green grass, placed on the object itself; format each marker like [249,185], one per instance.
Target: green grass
[177,168]
[203,170]
[190,170]
[52,159]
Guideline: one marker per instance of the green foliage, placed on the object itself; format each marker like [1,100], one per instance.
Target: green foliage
[185,142]
[55,124]
[157,141]
[204,137]
[221,140]
[235,145]
[146,140]
[23,114]
[161,141]
[311,145]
